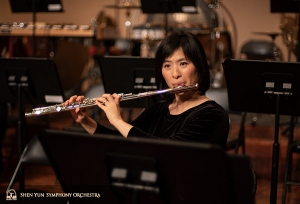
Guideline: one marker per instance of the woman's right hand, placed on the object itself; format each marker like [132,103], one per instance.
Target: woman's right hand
[79,113]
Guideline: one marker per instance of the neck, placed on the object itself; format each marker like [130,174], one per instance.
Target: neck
[186,101]
[187,96]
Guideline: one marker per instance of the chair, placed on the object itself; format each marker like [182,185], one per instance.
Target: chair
[33,153]
[239,141]
[293,147]
[233,142]
[244,178]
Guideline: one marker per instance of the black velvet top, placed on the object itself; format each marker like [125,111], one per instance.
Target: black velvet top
[207,123]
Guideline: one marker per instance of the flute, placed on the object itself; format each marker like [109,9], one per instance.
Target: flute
[87,102]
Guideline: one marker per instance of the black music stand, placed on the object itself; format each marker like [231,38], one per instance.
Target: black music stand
[34,6]
[284,6]
[264,87]
[29,80]
[128,74]
[142,170]
[168,6]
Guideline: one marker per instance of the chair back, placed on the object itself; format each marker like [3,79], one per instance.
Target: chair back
[221,97]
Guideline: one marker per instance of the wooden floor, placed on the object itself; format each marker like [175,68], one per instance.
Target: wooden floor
[259,141]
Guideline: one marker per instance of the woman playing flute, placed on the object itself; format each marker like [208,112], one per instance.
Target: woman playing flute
[187,116]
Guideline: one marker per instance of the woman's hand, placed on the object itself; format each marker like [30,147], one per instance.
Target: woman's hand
[79,113]
[110,104]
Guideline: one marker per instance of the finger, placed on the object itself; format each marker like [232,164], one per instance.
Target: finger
[116,97]
[79,98]
[104,102]
[109,97]
[106,96]
[78,110]
[101,101]
[70,100]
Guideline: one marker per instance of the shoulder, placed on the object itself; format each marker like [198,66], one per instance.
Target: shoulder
[210,105]
[209,109]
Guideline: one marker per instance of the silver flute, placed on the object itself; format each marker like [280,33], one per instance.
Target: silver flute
[87,102]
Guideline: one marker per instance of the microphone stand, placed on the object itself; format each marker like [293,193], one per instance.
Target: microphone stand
[33,28]
[166,11]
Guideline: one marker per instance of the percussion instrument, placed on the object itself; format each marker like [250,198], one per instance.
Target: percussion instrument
[125,5]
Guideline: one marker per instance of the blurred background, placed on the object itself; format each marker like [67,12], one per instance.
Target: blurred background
[76,33]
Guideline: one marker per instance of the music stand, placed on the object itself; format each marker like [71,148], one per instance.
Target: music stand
[168,6]
[29,80]
[284,6]
[264,87]
[34,6]
[128,74]
[146,170]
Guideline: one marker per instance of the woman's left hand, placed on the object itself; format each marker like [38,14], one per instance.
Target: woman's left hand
[110,104]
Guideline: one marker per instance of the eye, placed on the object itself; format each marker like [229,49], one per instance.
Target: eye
[183,64]
[166,65]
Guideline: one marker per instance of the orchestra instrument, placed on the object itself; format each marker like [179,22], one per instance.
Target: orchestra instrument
[273,35]
[125,5]
[275,50]
[17,38]
[92,102]
[207,24]
[290,28]
[68,30]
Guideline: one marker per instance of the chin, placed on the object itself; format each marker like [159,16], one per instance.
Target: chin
[180,93]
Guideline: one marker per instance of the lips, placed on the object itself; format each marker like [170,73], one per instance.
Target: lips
[178,84]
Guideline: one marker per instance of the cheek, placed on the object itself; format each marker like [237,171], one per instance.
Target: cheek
[164,73]
[192,73]
[194,76]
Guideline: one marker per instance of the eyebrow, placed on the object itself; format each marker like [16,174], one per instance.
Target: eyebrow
[181,59]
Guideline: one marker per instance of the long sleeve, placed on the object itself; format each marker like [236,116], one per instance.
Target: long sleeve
[207,122]
[104,130]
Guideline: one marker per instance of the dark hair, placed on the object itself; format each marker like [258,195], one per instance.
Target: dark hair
[192,50]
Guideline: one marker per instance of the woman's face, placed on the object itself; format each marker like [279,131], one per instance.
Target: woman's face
[177,70]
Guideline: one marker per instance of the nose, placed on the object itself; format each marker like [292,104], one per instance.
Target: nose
[176,73]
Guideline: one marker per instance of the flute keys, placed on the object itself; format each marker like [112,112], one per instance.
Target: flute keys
[38,112]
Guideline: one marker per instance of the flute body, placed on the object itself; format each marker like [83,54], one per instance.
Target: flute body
[87,102]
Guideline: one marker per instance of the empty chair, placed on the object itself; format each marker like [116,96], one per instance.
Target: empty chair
[294,147]
[233,142]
